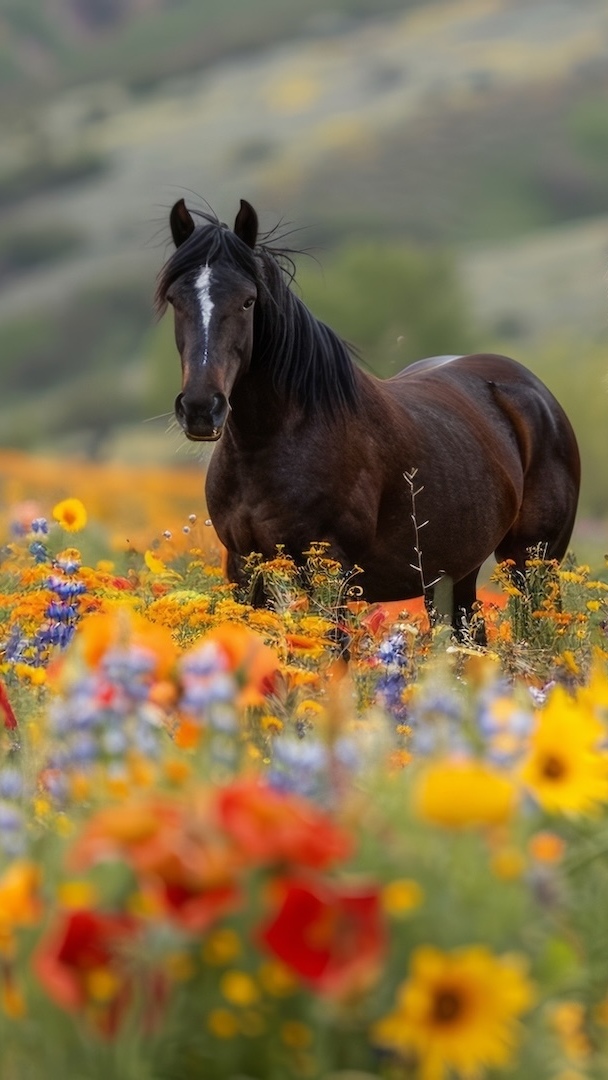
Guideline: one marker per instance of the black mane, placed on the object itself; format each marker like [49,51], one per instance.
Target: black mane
[308,362]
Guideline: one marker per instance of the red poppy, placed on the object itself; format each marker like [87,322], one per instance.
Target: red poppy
[194,886]
[81,964]
[271,826]
[10,720]
[332,936]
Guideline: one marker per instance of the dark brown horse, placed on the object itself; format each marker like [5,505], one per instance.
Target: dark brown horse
[311,448]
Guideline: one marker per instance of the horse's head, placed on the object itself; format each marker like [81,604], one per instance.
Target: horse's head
[211,284]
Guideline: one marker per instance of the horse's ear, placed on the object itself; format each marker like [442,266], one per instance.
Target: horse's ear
[246,224]
[182,223]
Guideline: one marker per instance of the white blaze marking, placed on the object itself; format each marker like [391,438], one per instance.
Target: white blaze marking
[203,291]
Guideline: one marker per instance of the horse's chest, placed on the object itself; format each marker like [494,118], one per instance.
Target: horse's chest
[257,507]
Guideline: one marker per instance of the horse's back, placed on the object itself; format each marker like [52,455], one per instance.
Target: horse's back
[514,407]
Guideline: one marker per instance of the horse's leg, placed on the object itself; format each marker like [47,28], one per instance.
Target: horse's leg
[464,598]
[235,573]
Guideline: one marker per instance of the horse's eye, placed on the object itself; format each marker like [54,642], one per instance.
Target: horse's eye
[249,302]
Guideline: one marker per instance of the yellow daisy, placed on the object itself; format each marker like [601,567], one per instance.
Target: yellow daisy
[71,515]
[565,770]
[458,1010]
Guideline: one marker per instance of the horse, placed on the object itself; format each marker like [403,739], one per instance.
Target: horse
[413,479]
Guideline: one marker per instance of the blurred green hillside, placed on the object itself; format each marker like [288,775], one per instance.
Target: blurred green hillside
[445,162]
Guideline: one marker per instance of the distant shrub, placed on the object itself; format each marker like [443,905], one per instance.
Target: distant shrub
[24,249]
[40,176]
[99,329]
[395,304]
[588,126]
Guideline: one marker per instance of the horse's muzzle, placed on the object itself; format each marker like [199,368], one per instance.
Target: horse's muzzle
[202,421]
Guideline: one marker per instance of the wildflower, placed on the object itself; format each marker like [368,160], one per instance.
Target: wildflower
[546,847]
[71,515]
[461,792]
[239,988]
[19,899]
[333,937]
[565,770]
[253,664]
[222,1023]
[458,1010]
[507,863]
[567,1018]
[296,1035]
[6,709]
[271,827]
[154,564]
[183,870]
[401,896]
[278,980]
[222,946]
[80,963]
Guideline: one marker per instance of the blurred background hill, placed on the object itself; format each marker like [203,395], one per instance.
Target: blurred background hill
[445,162]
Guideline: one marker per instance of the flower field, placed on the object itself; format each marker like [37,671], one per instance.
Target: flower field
[318,840]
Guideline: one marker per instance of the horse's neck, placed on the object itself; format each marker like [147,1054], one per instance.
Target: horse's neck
[257,412]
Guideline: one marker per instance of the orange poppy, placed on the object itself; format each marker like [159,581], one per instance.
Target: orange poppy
[253,663]
[100,632]
[276,827]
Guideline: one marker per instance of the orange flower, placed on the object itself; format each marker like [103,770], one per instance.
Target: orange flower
[253,663]
[183,867]
[71,515]
[98,633]
[270,826]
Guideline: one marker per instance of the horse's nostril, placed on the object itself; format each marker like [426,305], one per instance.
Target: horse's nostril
[219,404]
[179,405]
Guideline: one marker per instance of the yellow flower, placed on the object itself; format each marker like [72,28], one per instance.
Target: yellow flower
[71,515]
[222,1023]
[239,988]
[568,1020]
[154,564]
[401,896]
[277,979]
[179,966]
[77,894]
[19,900]
[102,984]
[564,770]
[457,793]
[458,1010]
[222,946]
[296,1035]
[271,724]
[508,863]
[12,1000]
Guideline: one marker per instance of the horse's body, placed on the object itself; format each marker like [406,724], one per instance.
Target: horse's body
[314,449]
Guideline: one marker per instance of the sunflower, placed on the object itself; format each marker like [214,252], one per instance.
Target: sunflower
[458,1010]
[565,769]
[71,515]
